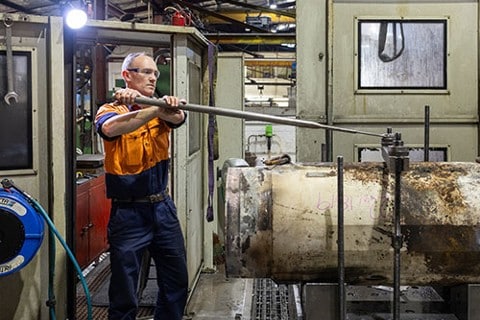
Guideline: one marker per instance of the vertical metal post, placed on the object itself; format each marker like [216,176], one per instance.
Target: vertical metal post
[323,155]
[329,141]
[426,146]
[396,156]
[341,241]
[397,238]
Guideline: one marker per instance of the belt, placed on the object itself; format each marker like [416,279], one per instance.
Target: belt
[157,197]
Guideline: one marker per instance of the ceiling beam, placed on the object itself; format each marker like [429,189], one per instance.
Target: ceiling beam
[261,8]
[219,16]
[266,62]
[286,4]
[252,38]
[17,7]
[242,16]
[115,11]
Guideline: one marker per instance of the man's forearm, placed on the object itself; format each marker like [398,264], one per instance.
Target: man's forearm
[128,122]
[175,117]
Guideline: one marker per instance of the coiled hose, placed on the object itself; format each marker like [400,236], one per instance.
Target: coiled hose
[6,183]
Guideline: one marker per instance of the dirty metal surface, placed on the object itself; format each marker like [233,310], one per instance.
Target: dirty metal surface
[404,316]
[281,222]
[385,293]
[369,302]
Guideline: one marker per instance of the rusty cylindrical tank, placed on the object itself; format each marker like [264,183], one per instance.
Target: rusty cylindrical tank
[281,223]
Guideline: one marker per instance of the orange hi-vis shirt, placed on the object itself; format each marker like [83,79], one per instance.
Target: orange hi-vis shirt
[136,163]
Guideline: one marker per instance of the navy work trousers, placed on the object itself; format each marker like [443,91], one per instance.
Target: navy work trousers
[134,227]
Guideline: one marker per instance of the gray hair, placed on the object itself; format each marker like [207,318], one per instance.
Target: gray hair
[130,57]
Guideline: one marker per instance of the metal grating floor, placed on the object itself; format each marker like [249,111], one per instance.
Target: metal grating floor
[95,277]
[270,300]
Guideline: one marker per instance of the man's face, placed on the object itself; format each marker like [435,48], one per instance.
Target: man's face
[142,75]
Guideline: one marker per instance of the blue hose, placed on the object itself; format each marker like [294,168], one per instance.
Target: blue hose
[40,209]
[69,253]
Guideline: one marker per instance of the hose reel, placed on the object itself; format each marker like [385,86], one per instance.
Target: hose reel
[21,231]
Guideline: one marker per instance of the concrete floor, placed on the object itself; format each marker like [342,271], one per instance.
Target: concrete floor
[215,298]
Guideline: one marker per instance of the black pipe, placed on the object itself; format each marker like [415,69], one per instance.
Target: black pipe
[329,149]
[426,145]
[323,152]
[397,237]
[341,242]
[69,40]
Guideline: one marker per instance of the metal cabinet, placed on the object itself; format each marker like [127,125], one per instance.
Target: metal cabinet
[92,213]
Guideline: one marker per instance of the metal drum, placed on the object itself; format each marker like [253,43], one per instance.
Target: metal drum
[281,223]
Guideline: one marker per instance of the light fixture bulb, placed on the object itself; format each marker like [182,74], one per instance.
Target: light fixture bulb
[76,18]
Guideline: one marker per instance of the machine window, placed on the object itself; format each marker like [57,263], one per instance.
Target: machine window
[16,118]
[402,54]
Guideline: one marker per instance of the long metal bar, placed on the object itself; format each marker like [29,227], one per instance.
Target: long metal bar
[251,116]
[341,241]
[397,238]
[426,146]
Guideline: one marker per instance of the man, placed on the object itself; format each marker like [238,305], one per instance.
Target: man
[143,216]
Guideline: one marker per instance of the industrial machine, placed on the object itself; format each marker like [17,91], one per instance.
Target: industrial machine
[382,228]
[381,225]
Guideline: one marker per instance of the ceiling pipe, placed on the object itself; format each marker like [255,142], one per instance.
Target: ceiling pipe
[261,8]
[119,13]
[17,7]
[220,16]
[129,14]
[286,4]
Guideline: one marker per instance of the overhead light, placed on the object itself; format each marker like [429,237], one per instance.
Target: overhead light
[76,18]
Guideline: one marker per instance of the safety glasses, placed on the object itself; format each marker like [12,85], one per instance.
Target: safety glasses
[146,72]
